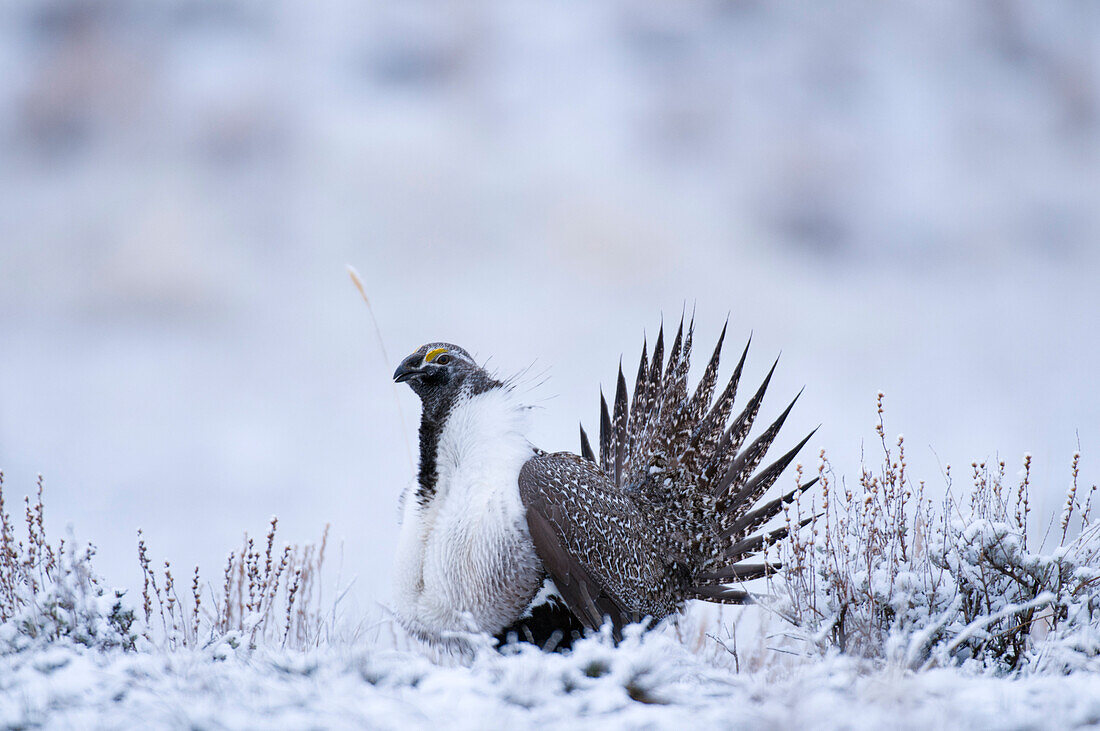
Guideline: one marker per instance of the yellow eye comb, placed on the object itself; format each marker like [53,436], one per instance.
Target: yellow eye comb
[433,354]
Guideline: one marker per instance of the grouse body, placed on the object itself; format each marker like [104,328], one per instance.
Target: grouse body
[499,537]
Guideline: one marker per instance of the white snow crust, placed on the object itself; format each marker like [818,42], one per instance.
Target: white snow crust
[652,682]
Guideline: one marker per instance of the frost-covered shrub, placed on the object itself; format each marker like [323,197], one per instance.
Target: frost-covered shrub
[50,593]
[882,572]
[1011,607]
[269,595]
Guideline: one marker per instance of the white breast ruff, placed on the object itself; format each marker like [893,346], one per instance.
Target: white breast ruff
[465,561]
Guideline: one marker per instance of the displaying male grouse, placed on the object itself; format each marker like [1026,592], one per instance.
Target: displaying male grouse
[502,538]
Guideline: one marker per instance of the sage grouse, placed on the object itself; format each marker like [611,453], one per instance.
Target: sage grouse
[503,538]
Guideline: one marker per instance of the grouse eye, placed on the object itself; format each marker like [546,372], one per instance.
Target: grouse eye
[443,359]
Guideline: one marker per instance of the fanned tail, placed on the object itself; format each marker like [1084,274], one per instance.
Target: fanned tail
[685,463]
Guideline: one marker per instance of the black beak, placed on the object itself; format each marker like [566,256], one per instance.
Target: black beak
[409,368]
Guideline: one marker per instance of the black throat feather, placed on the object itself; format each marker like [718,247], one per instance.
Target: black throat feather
[432,419]
[437,406]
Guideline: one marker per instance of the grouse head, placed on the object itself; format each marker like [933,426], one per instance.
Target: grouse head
[436,369]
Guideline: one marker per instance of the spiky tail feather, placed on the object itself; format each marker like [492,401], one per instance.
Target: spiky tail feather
[681,460]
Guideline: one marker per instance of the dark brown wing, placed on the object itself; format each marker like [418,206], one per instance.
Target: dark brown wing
[591,539]
[582,592]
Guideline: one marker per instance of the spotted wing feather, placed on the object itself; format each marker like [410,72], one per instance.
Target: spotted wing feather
[592,539]
[692,493]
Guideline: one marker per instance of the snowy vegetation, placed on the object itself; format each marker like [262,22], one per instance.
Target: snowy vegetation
[888,597]
[887,573]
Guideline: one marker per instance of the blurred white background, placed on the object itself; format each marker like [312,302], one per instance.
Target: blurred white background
[901,196]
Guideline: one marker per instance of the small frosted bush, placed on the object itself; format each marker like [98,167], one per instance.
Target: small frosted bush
[269,595]
[882,572]
[50,593]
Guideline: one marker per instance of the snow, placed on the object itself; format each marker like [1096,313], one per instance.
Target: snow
[360,686]
[74,658]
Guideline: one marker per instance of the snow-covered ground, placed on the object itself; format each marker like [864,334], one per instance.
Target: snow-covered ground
[900,197]
[654,683]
